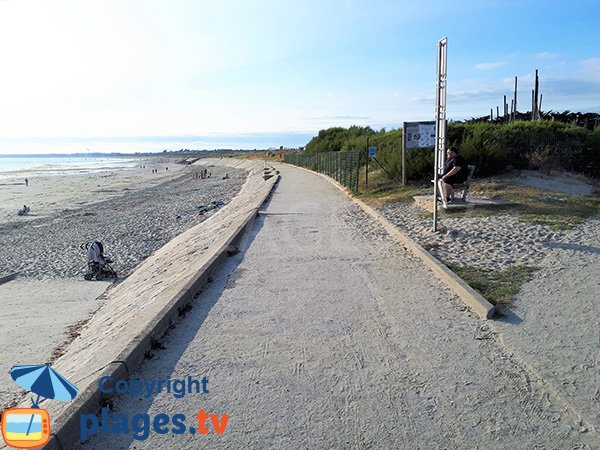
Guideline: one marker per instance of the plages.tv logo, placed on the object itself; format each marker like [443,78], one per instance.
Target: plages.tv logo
[30,427]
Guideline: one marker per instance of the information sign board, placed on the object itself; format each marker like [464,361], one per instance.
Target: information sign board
[420,134]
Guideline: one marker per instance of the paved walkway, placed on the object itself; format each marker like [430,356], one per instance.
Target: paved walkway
[325,333]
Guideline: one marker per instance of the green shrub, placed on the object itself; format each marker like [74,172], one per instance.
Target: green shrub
[493,147]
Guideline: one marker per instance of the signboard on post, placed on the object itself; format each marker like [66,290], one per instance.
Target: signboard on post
[416,135]
[372,152]
[420,134]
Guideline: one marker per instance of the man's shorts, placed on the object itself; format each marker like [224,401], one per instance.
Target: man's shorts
[455,179]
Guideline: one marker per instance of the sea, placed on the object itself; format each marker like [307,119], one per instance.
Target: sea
[43,165]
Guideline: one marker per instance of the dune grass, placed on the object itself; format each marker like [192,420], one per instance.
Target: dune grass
[384,190]
[499,287]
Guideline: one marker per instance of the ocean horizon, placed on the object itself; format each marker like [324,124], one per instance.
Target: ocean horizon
[31,165]
[132,145]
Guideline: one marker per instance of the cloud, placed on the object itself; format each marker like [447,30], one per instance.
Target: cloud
[546,55]
[591,69]
[423,98]
[343,118]
[490,65]
[466,95]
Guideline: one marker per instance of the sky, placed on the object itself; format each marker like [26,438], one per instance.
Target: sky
[149,75]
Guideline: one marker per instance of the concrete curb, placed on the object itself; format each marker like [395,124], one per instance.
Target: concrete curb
[8,278]
[466,293]
[65,428]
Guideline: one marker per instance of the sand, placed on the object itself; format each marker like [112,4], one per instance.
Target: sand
[497,241]
[552,324]
[565,182]
[49,194]
[133,213]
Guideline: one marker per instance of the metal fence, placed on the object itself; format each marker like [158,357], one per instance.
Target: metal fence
[342,166]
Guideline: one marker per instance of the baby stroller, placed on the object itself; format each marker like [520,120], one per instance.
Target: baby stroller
[98,265]
[23,212]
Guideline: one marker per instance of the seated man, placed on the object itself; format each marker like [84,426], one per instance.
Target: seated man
[456,171]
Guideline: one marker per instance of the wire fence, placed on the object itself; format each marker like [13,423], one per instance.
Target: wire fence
[342,166]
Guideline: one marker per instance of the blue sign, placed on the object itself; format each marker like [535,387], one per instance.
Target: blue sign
[372,152]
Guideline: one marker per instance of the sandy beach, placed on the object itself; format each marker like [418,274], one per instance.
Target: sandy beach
[133,212]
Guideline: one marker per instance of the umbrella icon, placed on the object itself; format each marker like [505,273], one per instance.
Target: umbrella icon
[45,382]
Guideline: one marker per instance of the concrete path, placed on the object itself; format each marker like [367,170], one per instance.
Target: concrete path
[323,332]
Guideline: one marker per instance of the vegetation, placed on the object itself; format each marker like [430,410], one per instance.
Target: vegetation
[493,147]
[382,189]
[586,120]
[497,286]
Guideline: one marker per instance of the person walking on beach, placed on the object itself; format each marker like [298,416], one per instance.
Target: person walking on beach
[26,182]
[456,171]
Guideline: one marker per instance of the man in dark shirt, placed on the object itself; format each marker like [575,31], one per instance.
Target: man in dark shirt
[456,170]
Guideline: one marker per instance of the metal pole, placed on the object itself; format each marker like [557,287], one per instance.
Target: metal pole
[537,90]
[515,98]
[403,155]
[367,169]
[440,122]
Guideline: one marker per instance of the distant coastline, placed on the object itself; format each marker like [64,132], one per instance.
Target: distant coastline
[164,153]
[20,166]
[151,145]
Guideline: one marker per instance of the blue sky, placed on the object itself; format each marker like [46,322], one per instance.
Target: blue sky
[124,75]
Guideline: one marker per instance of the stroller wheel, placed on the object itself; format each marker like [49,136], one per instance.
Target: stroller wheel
[99,276]
[88,277]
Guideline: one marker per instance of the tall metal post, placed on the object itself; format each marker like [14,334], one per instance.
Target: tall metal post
[515,98]
[404,154]
[367,168]
[440,123]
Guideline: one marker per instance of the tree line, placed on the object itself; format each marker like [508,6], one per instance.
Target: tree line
[568,142]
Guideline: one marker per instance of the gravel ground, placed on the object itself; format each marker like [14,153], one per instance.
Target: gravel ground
[131,226]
